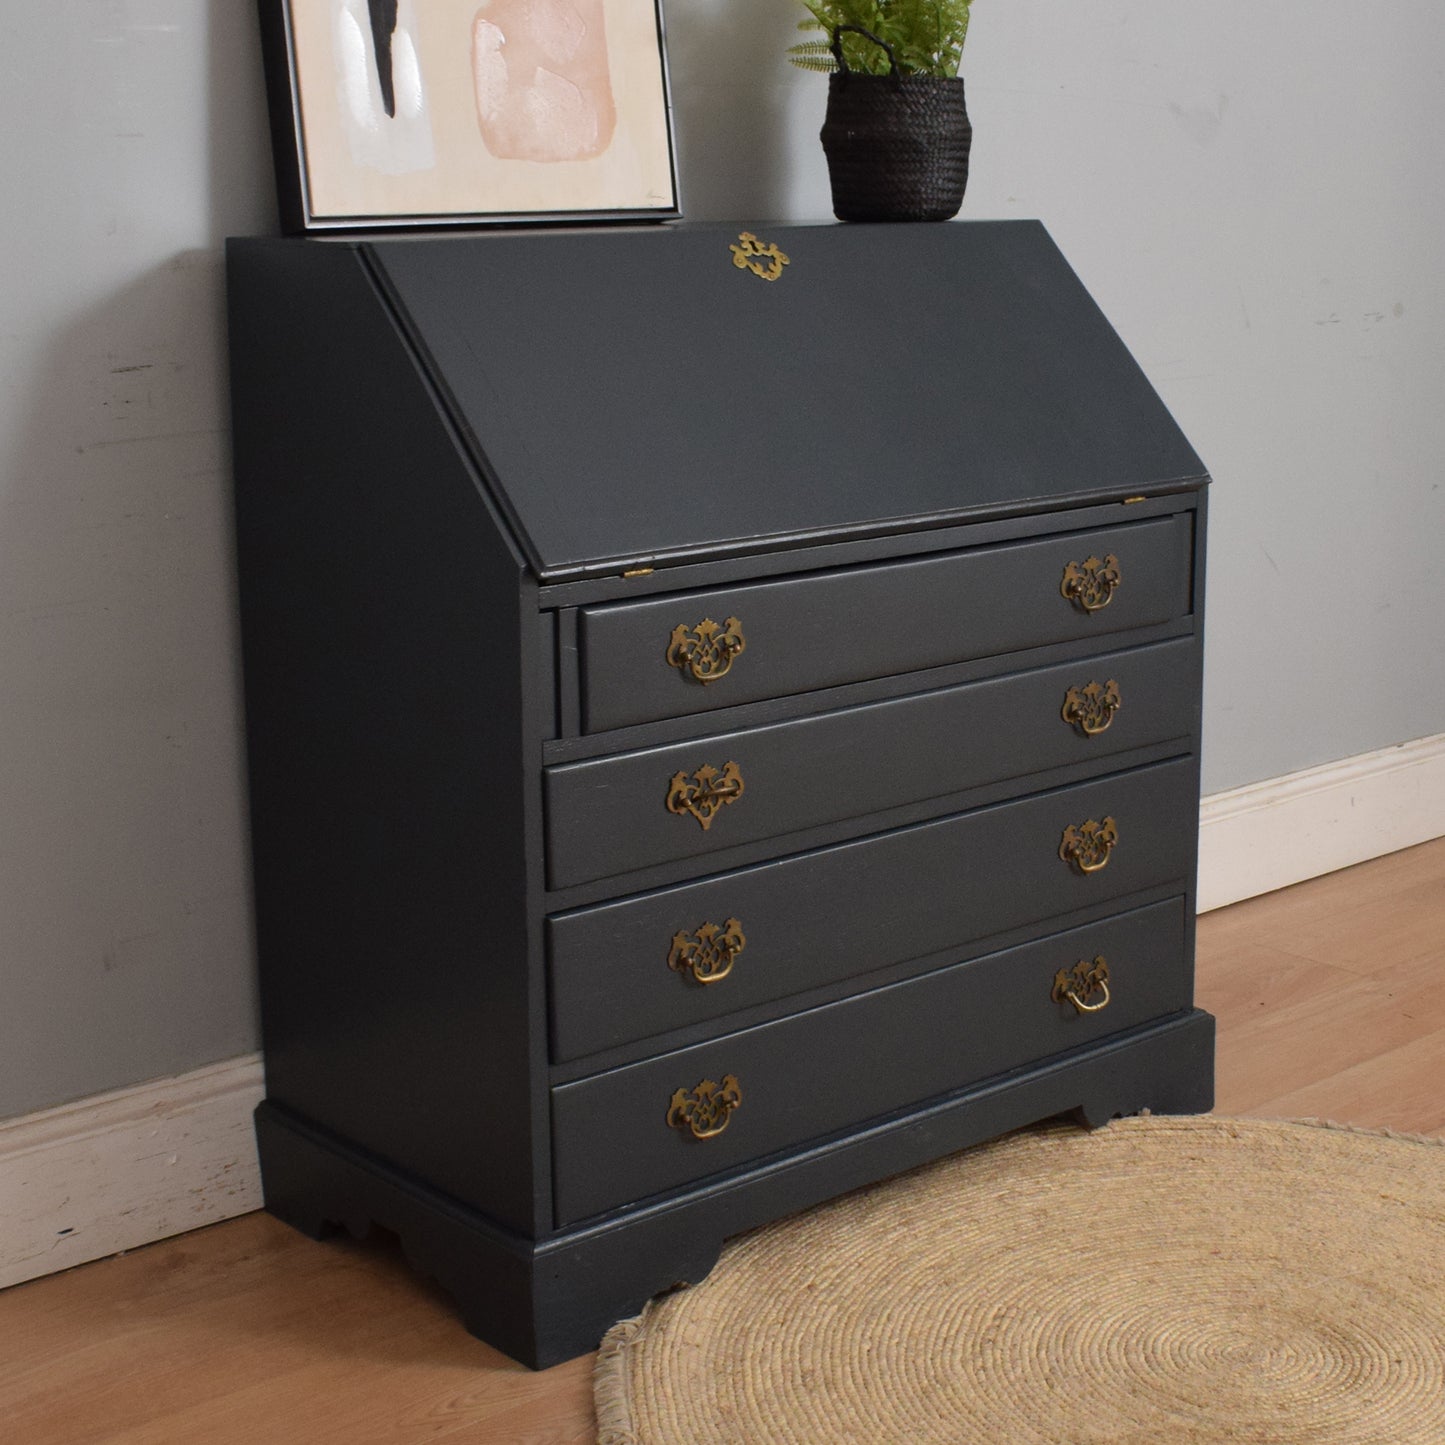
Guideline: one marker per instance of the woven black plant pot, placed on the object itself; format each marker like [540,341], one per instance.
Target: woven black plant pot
[897,145]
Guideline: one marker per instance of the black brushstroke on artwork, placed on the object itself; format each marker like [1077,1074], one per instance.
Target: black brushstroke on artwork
[383,26]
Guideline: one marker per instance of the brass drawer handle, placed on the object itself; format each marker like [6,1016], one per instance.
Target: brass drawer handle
[709,954]
[1091,708]
[705,792]
[706,652]
[1090,585]
[705,1111]
[1080,983]
[1088,845]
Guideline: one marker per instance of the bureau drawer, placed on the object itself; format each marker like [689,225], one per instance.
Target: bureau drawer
[688,800]
[629,1133]
[631,969]
[646,660]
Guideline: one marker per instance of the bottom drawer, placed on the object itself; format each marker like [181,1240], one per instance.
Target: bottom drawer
[664,1122]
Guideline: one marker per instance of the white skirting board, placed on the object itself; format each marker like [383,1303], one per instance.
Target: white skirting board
[127,1168]
[124,1169]
[1267,835]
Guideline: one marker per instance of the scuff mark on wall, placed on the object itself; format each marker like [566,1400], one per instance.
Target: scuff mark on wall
[1199,122]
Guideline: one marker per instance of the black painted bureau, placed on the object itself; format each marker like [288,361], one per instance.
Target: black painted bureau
[723,718]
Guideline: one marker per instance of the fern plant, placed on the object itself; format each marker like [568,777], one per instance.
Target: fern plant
[926,35]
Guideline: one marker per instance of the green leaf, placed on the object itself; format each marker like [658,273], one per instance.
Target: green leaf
[927,36]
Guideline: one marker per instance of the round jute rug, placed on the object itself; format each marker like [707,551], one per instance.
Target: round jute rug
[1161,1281]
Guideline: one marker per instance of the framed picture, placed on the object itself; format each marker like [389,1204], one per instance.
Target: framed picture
[408,113]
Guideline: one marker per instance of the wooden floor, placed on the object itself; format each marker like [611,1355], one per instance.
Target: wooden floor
[1331,1002]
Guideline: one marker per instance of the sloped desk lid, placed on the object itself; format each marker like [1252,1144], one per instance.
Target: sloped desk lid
[635,397]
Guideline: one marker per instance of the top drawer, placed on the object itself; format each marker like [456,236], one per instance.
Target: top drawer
[657,659]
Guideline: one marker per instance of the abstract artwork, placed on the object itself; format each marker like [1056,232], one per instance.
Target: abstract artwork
[446,112]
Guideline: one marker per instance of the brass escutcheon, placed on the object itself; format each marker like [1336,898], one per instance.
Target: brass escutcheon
[1091,708]
[760,257]
[706,652]
[705,1110]
[1090,585]
[1078,984]
[1088,845]
[709,953]
[705,792]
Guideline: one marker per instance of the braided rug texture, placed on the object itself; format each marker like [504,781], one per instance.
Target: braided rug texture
[1164,1281]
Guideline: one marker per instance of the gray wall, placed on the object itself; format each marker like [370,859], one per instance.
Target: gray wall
[1252,193]
[134,142]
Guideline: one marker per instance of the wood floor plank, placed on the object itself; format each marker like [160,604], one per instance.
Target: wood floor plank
[1403,1089]
[1357,919]
[247,1331]
[1330,998]
[1331,1028]
[1240,979]
[1313,981]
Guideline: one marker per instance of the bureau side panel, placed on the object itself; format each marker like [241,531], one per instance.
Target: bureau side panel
[387,641]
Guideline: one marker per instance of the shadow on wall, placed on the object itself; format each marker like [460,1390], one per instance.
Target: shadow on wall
[241,198]
[730,82]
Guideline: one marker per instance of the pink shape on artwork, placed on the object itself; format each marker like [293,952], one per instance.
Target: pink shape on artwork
[544,90]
